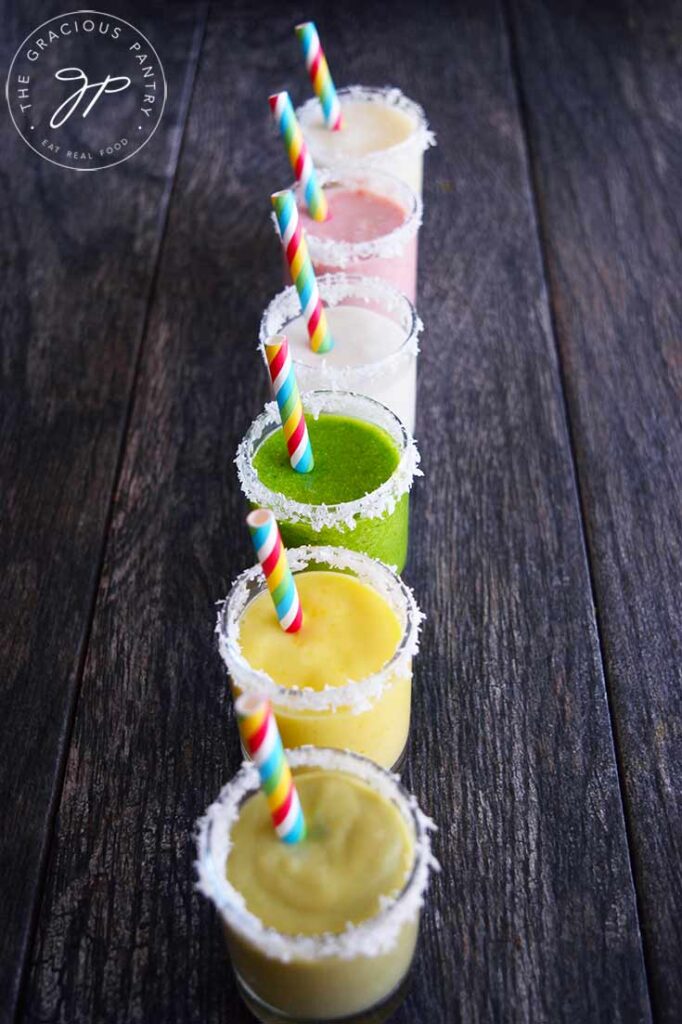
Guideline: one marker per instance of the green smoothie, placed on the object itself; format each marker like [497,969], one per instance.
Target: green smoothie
[353,458]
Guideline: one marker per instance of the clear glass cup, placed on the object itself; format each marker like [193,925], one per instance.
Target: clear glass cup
[376,343]
[391,256]
[382,128]
[377,523]
[370,716]
[330,977]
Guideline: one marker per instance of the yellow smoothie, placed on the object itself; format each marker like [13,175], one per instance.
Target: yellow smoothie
[349,632]
[359,852]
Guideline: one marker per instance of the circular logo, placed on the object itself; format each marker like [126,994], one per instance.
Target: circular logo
[86,90]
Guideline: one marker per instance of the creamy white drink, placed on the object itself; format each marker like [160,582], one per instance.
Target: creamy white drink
[382,128]
[375,330]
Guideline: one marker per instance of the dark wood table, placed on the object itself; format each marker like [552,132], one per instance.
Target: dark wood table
[547,533]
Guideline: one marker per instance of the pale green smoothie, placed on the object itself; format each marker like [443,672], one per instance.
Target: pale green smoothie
[358,852]
[323,929]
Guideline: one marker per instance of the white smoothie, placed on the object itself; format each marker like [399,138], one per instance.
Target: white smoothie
[367,127]
[381,128]
[366,358]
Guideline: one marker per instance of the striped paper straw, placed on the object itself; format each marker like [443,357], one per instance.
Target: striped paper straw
[288,399]
[318,69]
[298,154]
[270,552]
[301,269]
[261,738]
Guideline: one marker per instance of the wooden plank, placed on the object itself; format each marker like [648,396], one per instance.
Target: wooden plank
[78,256]
[533,918]
[602,89]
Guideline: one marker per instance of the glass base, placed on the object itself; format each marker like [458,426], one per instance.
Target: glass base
[397,767]
[377,1014]
[400,763]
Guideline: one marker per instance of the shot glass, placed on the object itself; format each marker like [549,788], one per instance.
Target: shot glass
[376,333]
[370,716]
[376,523]
[372,228]
[382,128]
[285,978]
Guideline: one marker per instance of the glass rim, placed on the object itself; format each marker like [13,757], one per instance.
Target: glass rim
[387,95]
[333,289]
[355,695]
[372,505]
[340,252]
[370,938]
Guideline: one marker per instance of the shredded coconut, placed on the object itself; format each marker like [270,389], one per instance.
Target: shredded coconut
[339,288]
[375,504]
[370,938]
[388,96]
[338,253]
[355,696]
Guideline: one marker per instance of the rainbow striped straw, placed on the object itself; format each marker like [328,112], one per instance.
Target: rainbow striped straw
[318,69]
[288,398]
[301,269]
[261,738]
[273,560]
[299,157]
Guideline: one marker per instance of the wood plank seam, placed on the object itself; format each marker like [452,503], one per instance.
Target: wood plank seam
[56,796]
[539,222]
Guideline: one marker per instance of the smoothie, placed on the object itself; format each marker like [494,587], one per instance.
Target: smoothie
[357,496]
[349,867]
[349,633]
[371,228]
[326,928]
[358,215]
[382,129]
[352,458]
[375,331]
[344,679]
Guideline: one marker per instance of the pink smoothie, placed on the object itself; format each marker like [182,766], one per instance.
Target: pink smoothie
[358,216]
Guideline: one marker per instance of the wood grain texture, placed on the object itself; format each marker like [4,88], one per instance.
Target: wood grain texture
[72,245]
[603,92]
[533,918]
